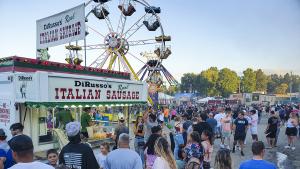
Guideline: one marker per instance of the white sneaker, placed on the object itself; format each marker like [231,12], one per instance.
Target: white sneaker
[286,146]
[293,148]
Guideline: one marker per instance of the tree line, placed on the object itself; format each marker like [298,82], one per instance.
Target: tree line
[223,82]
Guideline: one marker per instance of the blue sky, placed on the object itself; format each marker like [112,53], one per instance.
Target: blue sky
[225,33]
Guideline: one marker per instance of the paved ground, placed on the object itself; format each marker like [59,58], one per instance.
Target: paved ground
[282,158]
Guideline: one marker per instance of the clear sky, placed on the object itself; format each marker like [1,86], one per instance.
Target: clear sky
[225,33]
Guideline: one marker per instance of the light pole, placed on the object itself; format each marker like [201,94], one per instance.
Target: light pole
[291,83]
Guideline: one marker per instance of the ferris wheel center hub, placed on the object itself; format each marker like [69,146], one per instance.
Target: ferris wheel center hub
[114,42]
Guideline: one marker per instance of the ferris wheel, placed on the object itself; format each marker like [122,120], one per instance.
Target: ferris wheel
[122,30]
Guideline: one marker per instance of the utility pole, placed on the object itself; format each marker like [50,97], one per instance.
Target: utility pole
[291,83]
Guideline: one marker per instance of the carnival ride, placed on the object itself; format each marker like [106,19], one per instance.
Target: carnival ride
[117,48]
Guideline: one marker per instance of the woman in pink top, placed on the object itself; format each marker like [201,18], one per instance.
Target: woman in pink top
[226,128]
[207,142]
[173,113]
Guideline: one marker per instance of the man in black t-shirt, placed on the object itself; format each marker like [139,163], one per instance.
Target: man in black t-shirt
[77,155]
[202,125]
[240,127]
[272,129]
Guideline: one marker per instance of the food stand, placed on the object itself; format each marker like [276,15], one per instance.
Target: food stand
[34,91]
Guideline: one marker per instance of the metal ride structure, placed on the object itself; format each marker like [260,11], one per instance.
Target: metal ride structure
[116,46]
[156,69]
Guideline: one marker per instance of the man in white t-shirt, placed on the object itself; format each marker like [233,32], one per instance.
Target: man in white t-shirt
[219,117]
[248,118]
[22,151]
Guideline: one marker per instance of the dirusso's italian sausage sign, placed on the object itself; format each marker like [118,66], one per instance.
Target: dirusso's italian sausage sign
[85,90]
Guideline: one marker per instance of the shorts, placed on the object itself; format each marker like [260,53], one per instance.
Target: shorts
[253,130]
[271,133]
[239,136]
[291,131]
[226,134]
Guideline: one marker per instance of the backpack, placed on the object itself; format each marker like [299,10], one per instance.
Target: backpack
[193,163]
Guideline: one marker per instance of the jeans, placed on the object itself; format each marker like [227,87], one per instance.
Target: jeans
[277,134]
[178,139]
[139,143]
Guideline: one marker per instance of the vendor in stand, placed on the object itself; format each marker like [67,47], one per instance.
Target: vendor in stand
[86,121]
[63,117]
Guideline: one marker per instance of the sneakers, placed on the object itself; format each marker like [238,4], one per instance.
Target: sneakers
[242,153]
[287,147]
[293,148]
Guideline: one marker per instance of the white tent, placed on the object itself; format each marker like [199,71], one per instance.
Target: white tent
[165,99]
[205,100]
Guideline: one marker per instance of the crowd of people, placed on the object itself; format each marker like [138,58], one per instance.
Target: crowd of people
[181,138]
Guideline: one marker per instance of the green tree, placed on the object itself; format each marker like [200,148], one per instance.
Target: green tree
[249,81]
[261,81]
[211,77]
[188,82]
[273,82]
[296,83]
[282,88]
[286,78]
[228,82]
[172,90]
[202,85]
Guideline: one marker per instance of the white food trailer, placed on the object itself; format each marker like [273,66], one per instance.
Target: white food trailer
[31,90]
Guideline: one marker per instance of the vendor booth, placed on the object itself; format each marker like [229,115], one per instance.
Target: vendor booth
[45,95]
[165,99]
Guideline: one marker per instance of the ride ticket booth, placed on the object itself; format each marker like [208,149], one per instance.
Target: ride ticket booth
[42,94]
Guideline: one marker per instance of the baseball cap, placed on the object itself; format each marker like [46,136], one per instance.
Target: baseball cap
[121,117]
[2,133]
[20,143]
[73,128]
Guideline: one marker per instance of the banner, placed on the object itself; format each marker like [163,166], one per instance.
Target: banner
[84,90]
[4,111]
[26,87]
[61,28]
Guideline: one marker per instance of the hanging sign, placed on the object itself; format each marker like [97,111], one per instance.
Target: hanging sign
[61,28]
